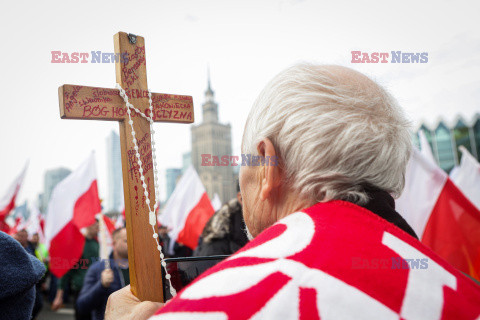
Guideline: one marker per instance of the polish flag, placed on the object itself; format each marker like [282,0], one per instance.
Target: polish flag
[442,217]
[7,225]
[34,224]
[73,206]
[7,202]
[467,177]
[42,224]
[110,224]
[20,224]
[187,211]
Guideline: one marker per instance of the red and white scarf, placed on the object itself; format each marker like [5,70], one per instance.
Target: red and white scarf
[334,260]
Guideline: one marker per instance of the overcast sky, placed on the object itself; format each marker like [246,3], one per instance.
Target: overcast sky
[245,43]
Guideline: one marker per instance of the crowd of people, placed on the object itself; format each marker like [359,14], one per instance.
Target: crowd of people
[343,145]
[88,284]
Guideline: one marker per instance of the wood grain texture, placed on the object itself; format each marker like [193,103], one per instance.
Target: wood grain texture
[144,262]
[81,102]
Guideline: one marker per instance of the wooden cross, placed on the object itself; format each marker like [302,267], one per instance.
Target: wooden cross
[79,102]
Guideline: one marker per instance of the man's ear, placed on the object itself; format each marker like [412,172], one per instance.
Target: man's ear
[271,172]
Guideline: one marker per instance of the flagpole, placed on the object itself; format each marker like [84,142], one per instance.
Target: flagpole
[103,241]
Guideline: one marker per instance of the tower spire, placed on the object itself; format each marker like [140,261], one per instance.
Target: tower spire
[208,77]
[210,111]
[209,92]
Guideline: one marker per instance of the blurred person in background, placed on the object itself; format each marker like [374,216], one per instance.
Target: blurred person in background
[103,278]
[224,233]
[75,276]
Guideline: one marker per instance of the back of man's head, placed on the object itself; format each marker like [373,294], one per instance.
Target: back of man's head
[334,131]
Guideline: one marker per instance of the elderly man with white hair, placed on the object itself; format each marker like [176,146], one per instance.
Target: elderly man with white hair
[327,241]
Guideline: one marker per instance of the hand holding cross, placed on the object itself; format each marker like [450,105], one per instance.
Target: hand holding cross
[80,102]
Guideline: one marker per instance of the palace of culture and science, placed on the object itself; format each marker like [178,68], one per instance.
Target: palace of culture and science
[213,138]
[209,137]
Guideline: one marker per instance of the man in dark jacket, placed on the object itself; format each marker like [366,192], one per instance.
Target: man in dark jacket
[19,272]
[224,233]
[101,281]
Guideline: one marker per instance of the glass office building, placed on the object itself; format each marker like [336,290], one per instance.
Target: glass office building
[445,138]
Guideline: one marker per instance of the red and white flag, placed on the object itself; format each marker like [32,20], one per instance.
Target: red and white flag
[7,201]
[33,224]
[20,224]
[187,211]
[73,206]
[467,177]
[109,224]
[443,218]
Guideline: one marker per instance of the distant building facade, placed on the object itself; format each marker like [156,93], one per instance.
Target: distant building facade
[186,161]
[39,202]
[445,138]
[114,174]
[172,176]
[213,138]
[51,179]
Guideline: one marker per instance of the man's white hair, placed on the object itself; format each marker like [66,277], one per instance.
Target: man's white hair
[335,132]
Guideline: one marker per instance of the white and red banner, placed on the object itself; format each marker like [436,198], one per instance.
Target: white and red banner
[109,224]
[73,206]
[187,211]
[34,224]
[7,201]
[467,177]
[20,224]
[332,261]
[441,215]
